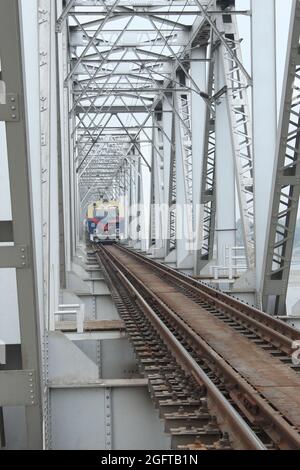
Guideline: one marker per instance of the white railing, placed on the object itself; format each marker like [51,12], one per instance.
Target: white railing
[67,310]
[235,263]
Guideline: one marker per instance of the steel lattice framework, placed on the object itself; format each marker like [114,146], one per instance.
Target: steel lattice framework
[158,97]
[146,102]
[286,187]
[127,62]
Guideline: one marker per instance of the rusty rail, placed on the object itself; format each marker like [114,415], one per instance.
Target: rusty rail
[237,424]
[289,435]
[271,328]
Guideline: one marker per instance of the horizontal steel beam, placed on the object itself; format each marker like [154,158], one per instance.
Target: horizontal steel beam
[118,91]
[162,13]
[111,109]
[138,61]
[134,3]
[96,336]
[110,383]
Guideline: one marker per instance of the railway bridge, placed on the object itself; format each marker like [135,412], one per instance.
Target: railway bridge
[149,224]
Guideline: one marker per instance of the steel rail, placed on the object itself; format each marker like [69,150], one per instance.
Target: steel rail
[239,426]
[281,332]
[290,436]
[175,381]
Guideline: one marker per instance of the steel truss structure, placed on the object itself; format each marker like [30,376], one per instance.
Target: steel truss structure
[144,79]
[146,102]
[286,185]
[132,86]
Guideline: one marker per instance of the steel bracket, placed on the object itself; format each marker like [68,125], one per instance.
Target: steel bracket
[10,111]
[14,257]
[18,387]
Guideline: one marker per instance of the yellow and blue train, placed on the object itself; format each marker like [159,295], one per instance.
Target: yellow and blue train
[104,223]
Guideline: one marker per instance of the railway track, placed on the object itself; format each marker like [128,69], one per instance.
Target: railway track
[220,371]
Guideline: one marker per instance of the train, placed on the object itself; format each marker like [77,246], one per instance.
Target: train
[104,223]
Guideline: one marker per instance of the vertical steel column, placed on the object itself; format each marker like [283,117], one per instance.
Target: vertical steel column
[45,90]
[153,195]
[183,182]
[237,82]
[158,184]
[167,142]
[208,183]
[225,170]
[169,170]
[62,40]
[264,111]
[60,137]
[72,156]
[11,54]
[198,116]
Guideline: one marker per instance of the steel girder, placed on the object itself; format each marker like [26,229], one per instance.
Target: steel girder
[237,82]
[22,387]
[286,184]
[208,184]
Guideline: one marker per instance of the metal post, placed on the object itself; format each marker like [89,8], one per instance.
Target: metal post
[198,116]
[183,184]
[11,52]
[168,143]
[264,111]
[225,172]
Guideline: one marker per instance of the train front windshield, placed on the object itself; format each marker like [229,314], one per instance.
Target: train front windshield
[108,221]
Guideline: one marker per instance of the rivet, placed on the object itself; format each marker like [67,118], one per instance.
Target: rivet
[12,99]
[14,116]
